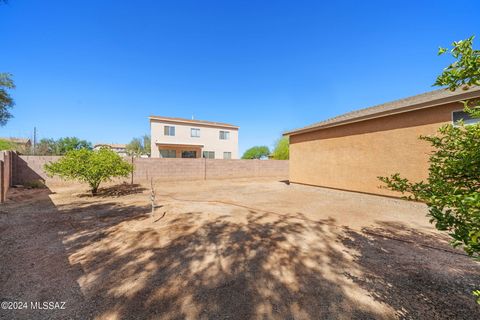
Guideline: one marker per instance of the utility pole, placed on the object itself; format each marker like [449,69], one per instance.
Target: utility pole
[34,139]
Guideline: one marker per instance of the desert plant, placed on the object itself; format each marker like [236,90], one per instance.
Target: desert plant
[92,167]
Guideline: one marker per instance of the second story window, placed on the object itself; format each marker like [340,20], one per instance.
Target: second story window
[224,135]
[195,133]
[169,130]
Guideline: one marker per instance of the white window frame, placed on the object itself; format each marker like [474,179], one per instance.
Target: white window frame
[229,155]
[197,132]
[226,135]
[209,153]
[168,130]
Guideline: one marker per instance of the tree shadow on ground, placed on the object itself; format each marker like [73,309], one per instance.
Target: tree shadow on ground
[118,190]
[35,266]
[419,275]
[110,260]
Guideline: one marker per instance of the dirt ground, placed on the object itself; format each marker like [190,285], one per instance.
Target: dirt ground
[237,249]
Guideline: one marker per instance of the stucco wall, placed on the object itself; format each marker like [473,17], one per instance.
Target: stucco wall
[351,157]
[209,138]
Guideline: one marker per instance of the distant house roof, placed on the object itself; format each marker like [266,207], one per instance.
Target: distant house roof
[421,101]
[111,145]
[194,122]
[17,140]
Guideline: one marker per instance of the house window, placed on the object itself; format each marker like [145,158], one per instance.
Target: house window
[195,133]
[224,135]
[168,154]
[169,130]
[189,154]
[462,115]
[209,154]
[227,155]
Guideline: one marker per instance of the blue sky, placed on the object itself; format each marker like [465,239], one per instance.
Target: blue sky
[98,69]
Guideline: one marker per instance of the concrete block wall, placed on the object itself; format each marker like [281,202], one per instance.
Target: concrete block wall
[28,168]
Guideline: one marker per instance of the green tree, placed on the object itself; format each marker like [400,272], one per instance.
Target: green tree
[135,147]
[256,152]
[92,167]
[6,101]
[46,147]
[139,146]
[452,190]
[6,145]
[64,145]
[147,144]
[282,149]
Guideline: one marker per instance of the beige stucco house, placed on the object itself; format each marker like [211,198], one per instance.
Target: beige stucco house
[119,148]
[350,151]
[184,138]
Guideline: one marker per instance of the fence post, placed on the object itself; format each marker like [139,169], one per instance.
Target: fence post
[2,182]
[204,168]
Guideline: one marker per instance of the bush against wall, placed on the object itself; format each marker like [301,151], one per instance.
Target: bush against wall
[452,190]
[92,167]
[282,149]
[256,152]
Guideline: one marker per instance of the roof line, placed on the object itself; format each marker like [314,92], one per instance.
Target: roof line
[189,121]
[390,108]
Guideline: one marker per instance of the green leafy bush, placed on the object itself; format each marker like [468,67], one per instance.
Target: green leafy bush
[92,167]
[7,145]
[282,149]
[256,152]
[452,190]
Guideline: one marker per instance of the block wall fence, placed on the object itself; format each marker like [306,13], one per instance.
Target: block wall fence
[18,170]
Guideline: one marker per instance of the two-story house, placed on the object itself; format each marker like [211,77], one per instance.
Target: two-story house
[184,138]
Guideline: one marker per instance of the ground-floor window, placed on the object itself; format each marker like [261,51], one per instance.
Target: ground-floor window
[168,153]
[227,155]
[209,154]
[189,154]
[466,117]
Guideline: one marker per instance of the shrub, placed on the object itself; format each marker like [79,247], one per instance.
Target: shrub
[282,149]
[256,152]
[92,167]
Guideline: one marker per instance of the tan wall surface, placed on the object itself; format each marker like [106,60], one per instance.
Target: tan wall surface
[352,156]
[30,168]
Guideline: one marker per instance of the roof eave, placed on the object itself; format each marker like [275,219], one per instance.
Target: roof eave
[413,107]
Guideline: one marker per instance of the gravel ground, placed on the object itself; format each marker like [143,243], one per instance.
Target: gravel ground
[238,249]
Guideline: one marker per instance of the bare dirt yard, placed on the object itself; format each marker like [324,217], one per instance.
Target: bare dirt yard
[237,249]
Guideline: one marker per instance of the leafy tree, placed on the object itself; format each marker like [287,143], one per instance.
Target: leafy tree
[282,149]
[139,146]
[256,152]
[6,145]
[147,144]
[64,145]
[46,147]
[92,167]
[452,190]
[135,147]
[6,101]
